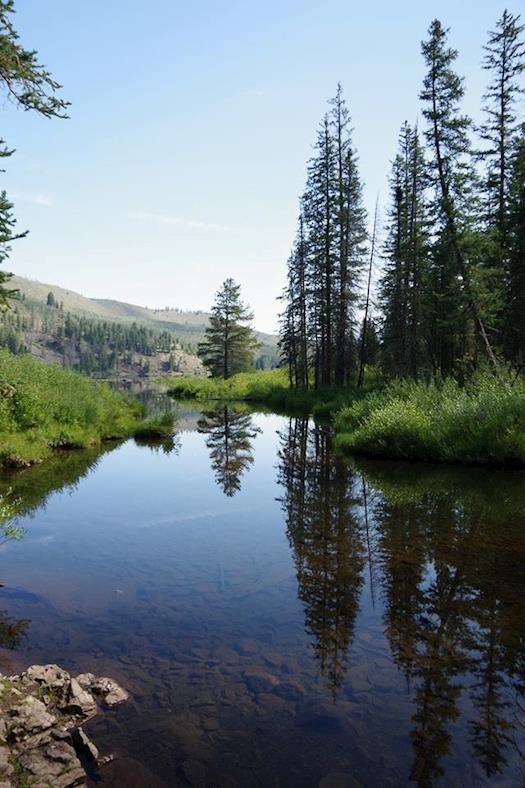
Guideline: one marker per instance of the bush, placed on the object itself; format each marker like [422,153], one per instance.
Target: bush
[44,407]
[482,422]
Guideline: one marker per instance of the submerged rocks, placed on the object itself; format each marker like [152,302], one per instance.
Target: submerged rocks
[41,712]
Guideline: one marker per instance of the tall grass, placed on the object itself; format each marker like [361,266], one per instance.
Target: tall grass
[272,388]
[44,407]
[482,422]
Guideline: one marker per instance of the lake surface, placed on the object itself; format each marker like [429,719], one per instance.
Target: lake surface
[282,617]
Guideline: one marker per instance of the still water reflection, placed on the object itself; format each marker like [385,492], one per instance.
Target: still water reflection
[282,617]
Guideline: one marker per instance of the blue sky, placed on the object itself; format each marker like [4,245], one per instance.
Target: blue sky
[190,127]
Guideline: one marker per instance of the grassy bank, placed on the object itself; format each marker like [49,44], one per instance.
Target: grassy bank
[44,407]
[482,422]
[271,388]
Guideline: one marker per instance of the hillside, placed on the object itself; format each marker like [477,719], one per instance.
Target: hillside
[187,324]
[106,338]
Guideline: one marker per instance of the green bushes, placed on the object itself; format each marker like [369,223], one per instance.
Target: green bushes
[158,428]
[257,386]
[270,387]
[482,422]
[43,407]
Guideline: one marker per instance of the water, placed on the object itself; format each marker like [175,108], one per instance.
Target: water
[281,616]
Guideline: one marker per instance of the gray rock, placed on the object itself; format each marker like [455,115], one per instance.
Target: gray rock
[111,692]
[56,765]
[84,745]
[80,701]
[86,680]
[30,717]
[50,675]
[258,680]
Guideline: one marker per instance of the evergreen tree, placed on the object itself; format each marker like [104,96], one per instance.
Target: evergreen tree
[318,321]
[454,257]
[229,344]
[515,327]
[505,62]
[403,287]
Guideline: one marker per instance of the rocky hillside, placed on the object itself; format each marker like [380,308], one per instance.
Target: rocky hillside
[106,338]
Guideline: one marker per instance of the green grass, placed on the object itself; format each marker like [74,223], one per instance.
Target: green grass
[157,428]
[44,407]
[482,422]
[479,423]
[271,388]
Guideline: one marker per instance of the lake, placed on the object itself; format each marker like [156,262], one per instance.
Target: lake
[282,616]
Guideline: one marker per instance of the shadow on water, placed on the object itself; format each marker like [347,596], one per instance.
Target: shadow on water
[366,629]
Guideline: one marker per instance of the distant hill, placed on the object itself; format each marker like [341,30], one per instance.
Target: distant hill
[177,320]
[108,338]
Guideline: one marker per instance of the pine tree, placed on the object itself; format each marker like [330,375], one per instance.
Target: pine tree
[505,61]
[229,344]
[318,321]
[403,287]
[453,178]
[515,331]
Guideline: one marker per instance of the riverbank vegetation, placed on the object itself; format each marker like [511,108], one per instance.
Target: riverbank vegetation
[44,407]
[479,422]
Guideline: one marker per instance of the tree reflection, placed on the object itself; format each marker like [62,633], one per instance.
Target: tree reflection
[454,590]
[444,553]
[230,433]
[326,541]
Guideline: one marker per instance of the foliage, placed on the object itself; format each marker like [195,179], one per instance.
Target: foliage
[482,422]
[317,337]
[45,407]
[156,428]
[229,343]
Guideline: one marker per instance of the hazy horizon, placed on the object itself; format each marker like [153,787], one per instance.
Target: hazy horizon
[190,129]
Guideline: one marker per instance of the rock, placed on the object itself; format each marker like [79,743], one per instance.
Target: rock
[51,675]
[84,745]
[6,768]
[111,692]
[45,741]
[258,680]
[55,765]
[30,717]
[289,690]
[246,647]
[86,680]
[80,701]
[321,717]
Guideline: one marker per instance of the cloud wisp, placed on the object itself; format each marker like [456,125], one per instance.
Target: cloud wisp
[35,198]
[176,221]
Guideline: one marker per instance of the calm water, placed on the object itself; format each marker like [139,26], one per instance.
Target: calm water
[281,616]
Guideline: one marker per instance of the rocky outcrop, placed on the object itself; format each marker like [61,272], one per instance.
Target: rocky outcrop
[42,710]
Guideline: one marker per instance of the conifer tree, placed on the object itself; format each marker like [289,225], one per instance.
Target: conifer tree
[515,330]
[457,304]
[229,344]
[505,61]
[403,288]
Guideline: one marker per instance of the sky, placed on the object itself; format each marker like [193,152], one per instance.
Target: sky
[190,128]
